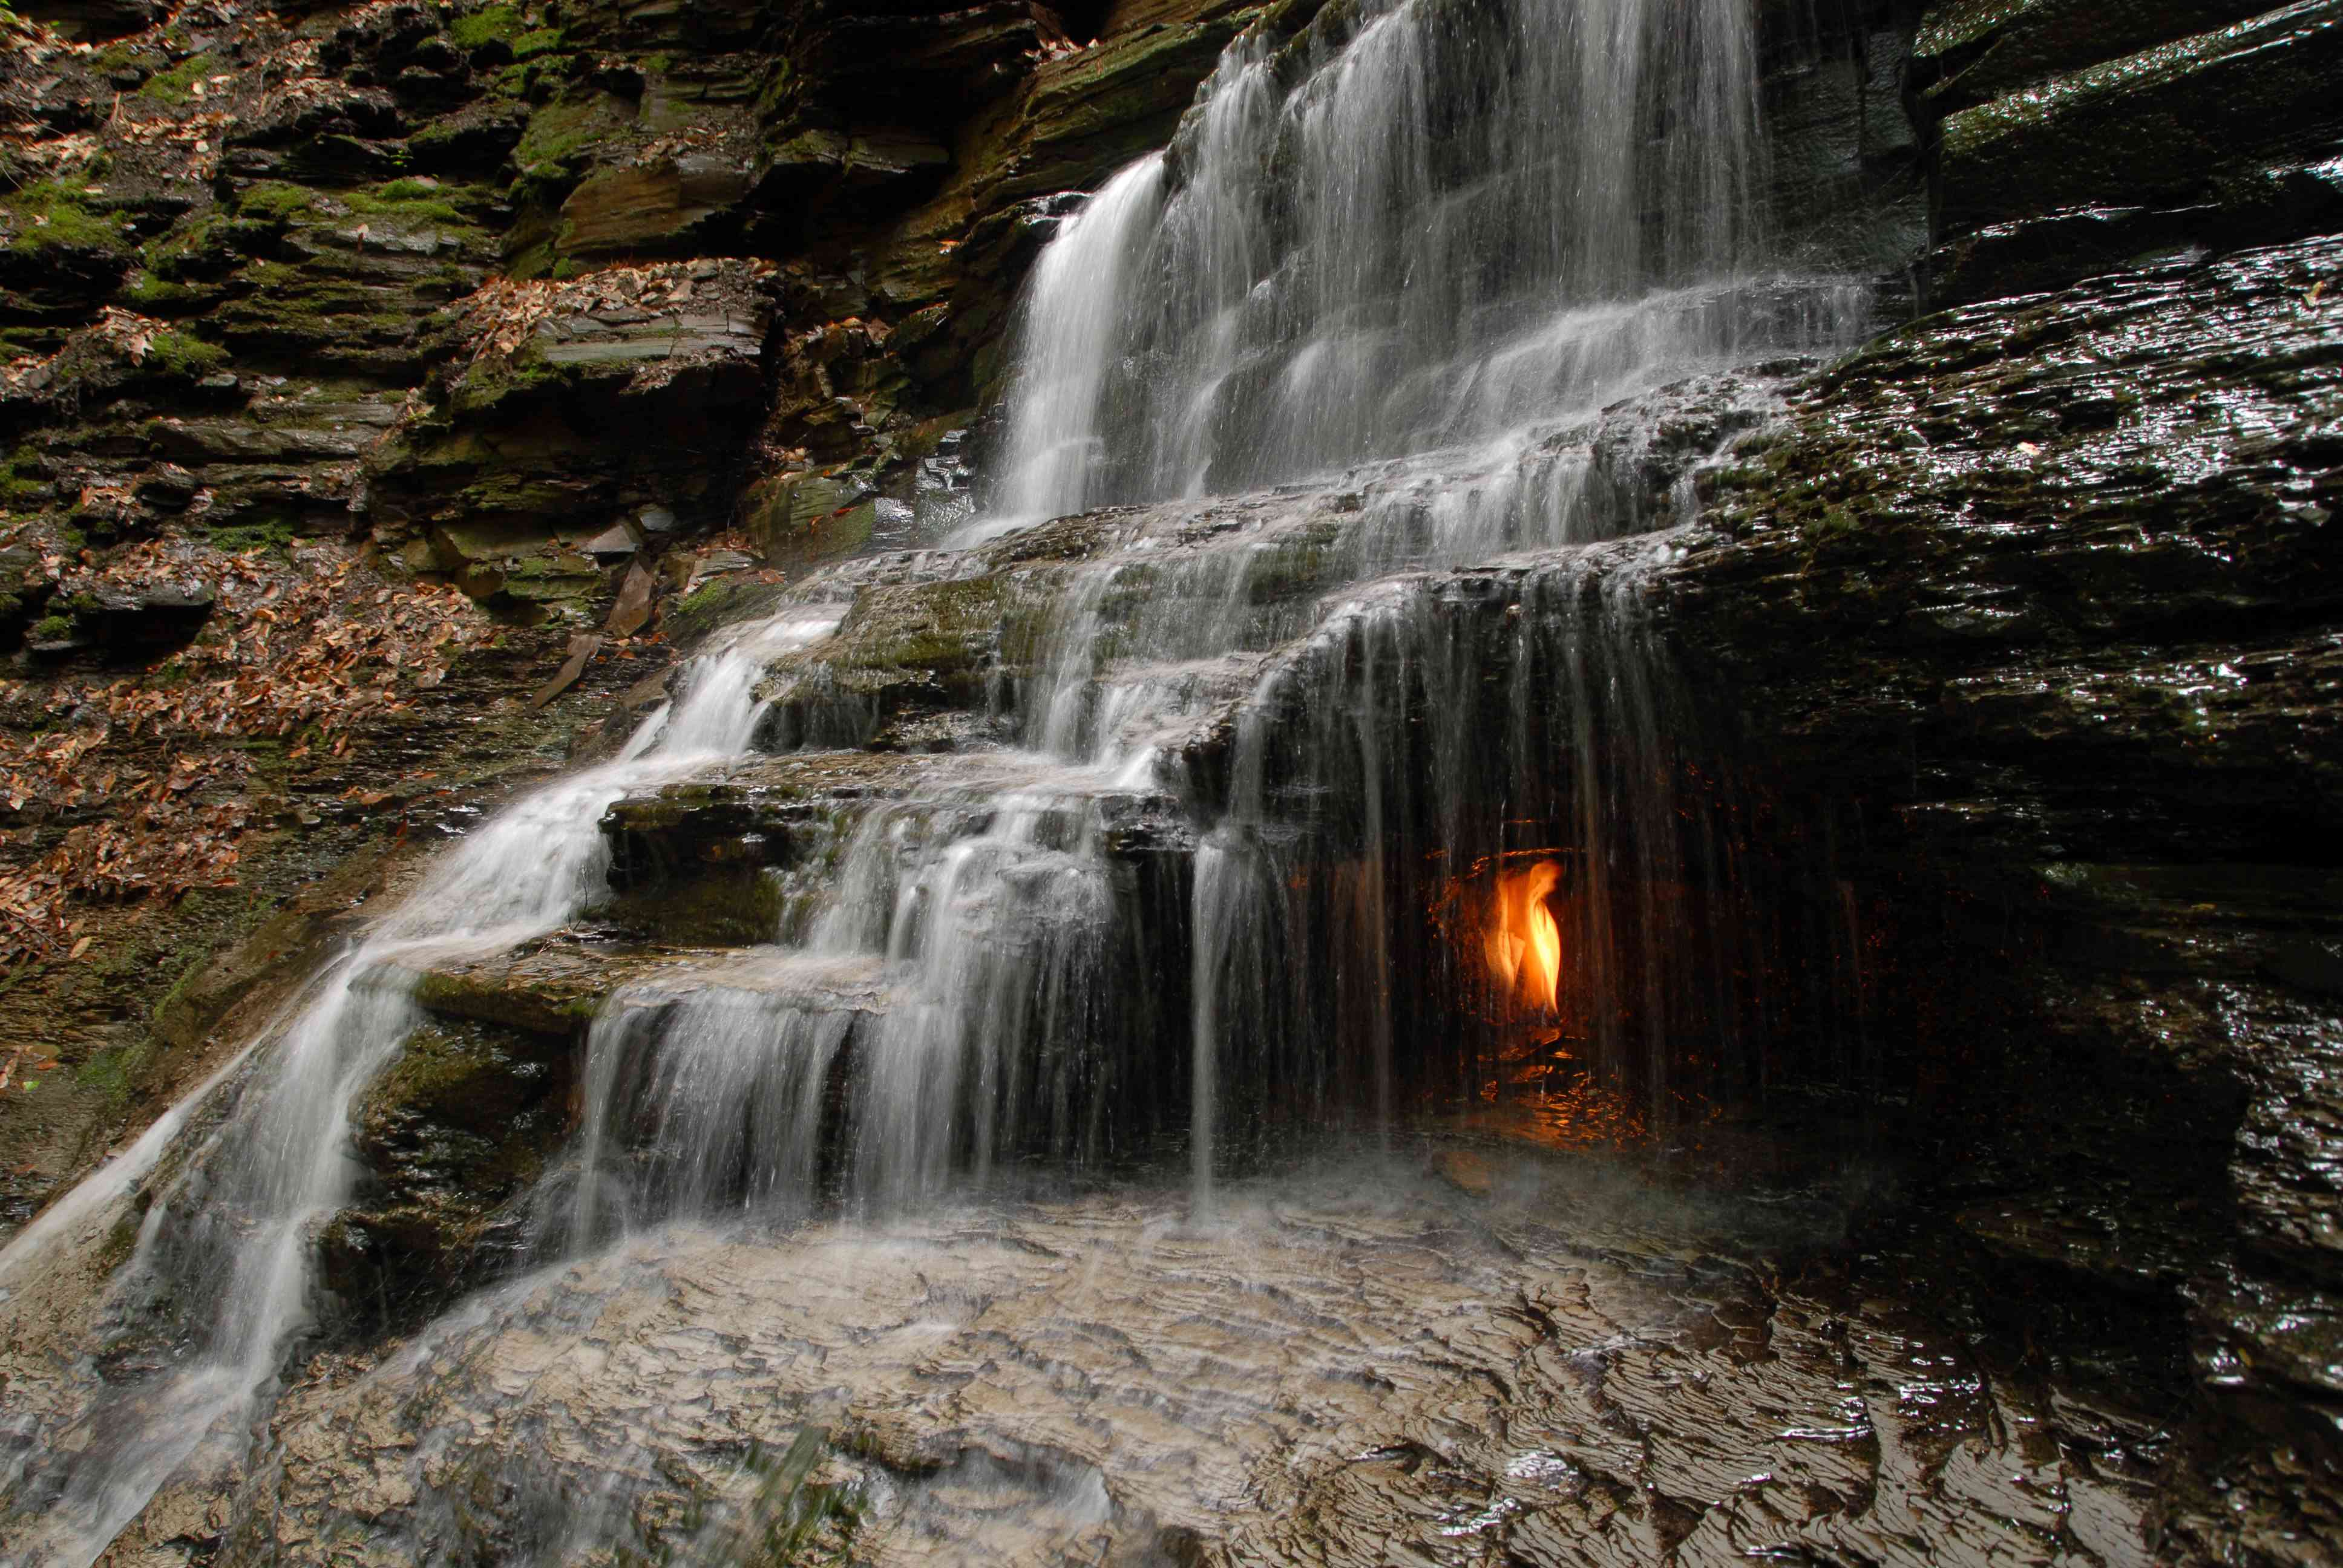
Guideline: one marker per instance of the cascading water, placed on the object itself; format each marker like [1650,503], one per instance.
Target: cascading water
[1459,221]
[226,1246]
[1167,894]
[1404,250]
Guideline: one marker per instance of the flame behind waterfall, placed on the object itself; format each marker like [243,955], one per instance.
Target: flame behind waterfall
[1523,942]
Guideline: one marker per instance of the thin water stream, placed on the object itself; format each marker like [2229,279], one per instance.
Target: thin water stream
[1460,281]
[226,1247]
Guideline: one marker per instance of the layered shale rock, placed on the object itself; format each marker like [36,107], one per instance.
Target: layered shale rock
[2075,139]
[2077,559]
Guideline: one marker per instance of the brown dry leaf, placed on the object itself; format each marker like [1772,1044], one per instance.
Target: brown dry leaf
[80,947]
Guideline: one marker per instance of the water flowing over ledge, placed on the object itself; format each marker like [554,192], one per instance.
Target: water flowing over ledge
[1417,225]
[1201,872]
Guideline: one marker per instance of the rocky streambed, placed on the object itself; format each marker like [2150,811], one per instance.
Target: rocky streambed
[1462,1355]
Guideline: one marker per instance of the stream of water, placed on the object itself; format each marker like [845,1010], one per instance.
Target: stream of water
[1398,269]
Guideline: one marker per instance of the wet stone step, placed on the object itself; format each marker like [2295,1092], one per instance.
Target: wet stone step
[750,853]
[739,856]
[746,813]
[465,1134]
[552,986]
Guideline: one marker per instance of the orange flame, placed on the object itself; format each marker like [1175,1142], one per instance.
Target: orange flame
[1524,945]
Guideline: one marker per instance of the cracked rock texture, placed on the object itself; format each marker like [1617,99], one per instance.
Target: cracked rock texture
[1537,1374]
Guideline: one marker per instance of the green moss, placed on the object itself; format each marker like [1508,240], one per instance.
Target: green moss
[713,604]
[408,201]
[942,630]
[21,482]
[1285,571]
[542,41]
[54,214]
[1834,519]
[722,906]
[272,532]
[51,628]
[494,381]
[563,132]
[222,920]
[178,355]
[118,56]
[149,294]
[176,85]
[474,1076]
[113,1072]
[487,25]
[274,201]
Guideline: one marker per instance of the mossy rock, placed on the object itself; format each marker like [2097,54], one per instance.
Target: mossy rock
[52,214]
[718,904]
[463,1076]
[735,596]
[453,1134]
[2153,128]
[948,631]
[552,991]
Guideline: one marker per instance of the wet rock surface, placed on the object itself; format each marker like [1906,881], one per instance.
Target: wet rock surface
[1567,1369]
[2077,555]
[460,1127]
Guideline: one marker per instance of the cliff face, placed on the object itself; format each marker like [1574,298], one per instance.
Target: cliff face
[2044,588]
[395,389]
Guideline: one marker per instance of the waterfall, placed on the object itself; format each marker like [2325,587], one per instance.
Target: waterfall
[1417,228]
[1054,437]
[1462,219]
[1416,263]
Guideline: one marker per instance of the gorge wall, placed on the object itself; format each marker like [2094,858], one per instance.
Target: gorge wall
[394,391]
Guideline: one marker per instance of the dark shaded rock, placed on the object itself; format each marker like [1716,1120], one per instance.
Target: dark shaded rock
[475,139]
[902,649]
[169,487]
[647,207]
[2029,492]
[551,987]
[583,405]
[1849,171]
[96,19]
[457,1128]
[1968,52]
[2204,139]
[2074,560]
